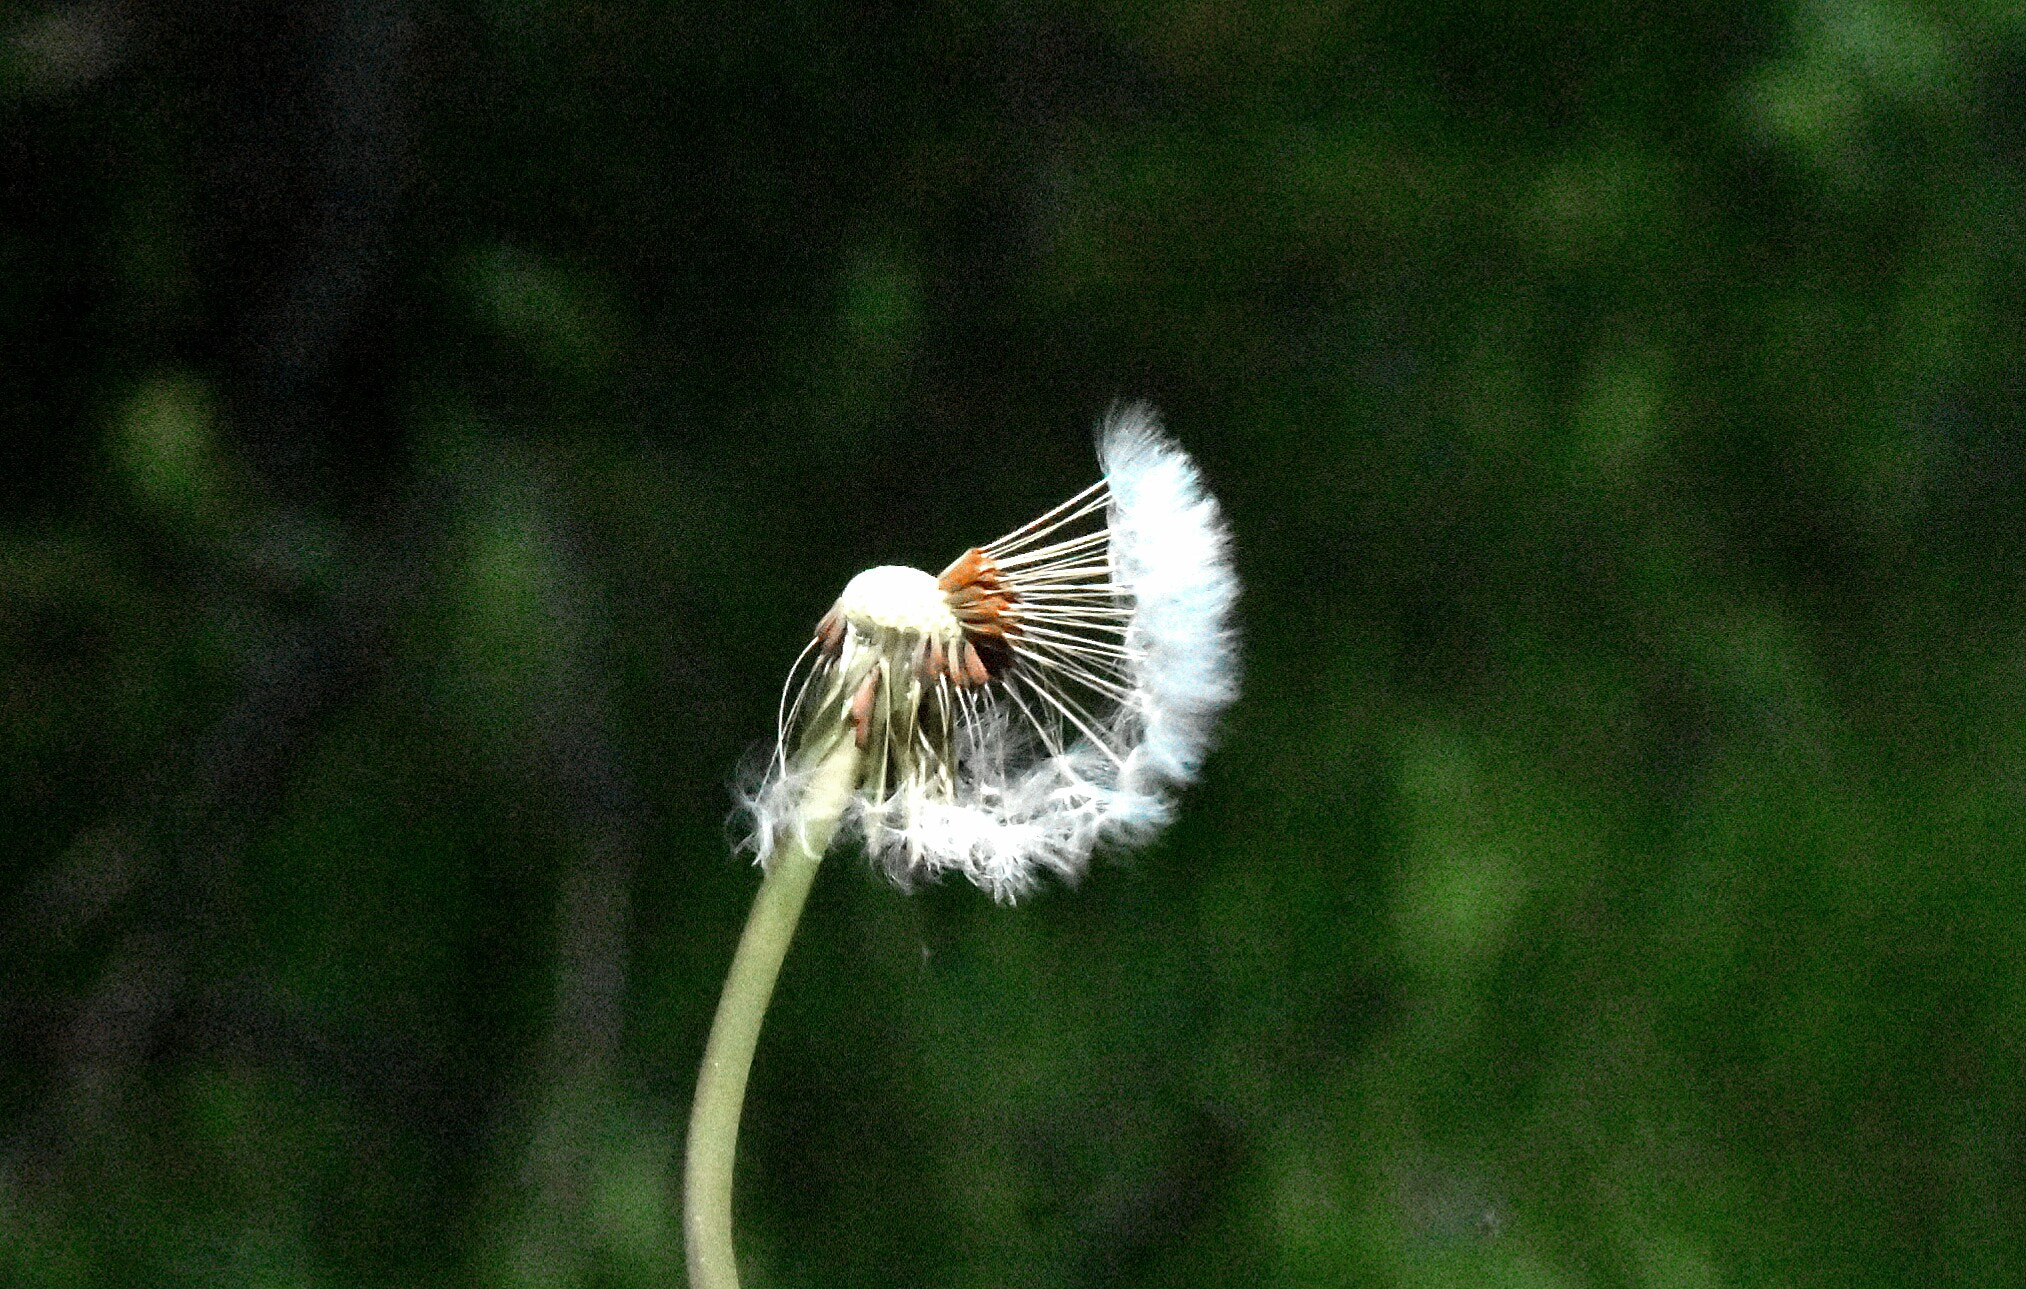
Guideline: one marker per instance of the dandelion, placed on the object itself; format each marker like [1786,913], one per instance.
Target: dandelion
[1042,697]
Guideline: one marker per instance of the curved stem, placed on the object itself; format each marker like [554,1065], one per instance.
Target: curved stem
[749,985]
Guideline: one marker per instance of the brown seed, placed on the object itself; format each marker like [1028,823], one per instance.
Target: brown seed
[977,593]
[974,666]
[830,633]
[861,710]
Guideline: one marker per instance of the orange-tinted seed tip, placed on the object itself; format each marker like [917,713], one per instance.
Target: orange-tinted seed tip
[830,633]
[974,666]
[977,593]
[861,710]
[964,570]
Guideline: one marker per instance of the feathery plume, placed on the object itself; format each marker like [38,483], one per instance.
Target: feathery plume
[1041,697]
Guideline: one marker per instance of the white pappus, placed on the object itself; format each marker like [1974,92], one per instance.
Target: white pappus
[1043,696]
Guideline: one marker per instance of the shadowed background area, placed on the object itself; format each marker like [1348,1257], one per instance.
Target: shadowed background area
[429,430]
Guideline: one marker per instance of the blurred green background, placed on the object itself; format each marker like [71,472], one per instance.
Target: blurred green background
[431,429]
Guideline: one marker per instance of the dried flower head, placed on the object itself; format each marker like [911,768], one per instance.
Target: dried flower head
[1040,697]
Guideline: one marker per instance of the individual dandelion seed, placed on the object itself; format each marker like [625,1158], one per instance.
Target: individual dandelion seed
[1043,696]
[1040,697]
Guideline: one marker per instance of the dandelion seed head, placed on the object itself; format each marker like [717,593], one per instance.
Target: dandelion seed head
[1040,698]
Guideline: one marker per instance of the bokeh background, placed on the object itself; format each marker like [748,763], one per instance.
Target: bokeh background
[430,430]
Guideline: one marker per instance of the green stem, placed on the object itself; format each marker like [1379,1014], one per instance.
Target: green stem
[749,985]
